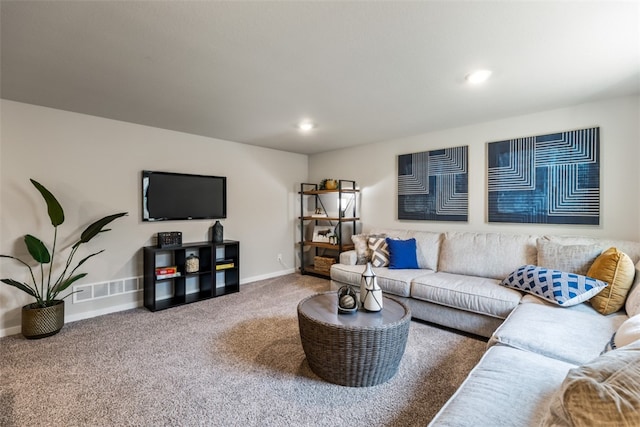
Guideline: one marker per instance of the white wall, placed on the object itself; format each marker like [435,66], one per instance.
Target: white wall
[93,166]
[374,167]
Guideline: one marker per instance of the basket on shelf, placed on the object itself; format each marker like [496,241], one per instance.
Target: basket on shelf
[323,263]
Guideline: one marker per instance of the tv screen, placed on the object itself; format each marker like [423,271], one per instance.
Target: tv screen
[180,196]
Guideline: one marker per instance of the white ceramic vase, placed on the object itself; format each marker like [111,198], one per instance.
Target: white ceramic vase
[370,292]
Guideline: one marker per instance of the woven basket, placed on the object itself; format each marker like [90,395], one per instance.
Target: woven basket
[323,263]
[348,353]
[40,322]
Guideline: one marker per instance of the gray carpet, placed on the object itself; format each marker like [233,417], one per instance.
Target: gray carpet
[234,360]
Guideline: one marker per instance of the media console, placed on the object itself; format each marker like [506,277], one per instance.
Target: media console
[168,282]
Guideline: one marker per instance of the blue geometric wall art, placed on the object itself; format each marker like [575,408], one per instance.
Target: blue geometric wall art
[432,185]
[547,179]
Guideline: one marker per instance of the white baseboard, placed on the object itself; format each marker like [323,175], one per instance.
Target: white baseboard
[267,276]
[95,313]
[10,331]
[79,316]
[102,311]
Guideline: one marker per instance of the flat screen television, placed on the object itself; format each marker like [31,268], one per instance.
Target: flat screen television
[180,196]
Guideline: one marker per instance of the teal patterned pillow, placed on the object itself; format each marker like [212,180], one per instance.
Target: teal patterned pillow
[559,287]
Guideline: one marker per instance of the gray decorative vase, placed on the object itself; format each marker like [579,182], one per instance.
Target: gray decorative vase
[41,322]
[217,232]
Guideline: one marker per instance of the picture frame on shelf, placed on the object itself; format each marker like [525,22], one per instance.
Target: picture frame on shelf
[321,233]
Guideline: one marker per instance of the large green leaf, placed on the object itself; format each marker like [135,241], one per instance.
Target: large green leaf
[98,226]
[56,214]
[87,257]
[22,286]
[37,249]
[65,284]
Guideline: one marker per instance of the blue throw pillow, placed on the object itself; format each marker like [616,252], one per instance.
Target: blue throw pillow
[402,253]
[558,287]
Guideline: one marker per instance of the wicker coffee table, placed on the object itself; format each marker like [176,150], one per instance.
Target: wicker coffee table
[356,350]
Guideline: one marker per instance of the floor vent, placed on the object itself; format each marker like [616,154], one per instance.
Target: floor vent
[93,291]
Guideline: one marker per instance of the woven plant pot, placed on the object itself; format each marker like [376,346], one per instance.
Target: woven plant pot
[39,322]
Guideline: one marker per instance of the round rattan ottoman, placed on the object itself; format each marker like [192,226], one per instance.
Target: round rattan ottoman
[357,350]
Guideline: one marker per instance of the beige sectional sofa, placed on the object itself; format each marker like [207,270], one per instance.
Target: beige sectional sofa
[537,351]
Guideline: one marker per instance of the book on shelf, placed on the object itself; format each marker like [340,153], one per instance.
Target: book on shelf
[223,264]
[163,271]
[167,276]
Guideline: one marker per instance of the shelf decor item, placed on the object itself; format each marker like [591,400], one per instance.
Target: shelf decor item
[328,184]
[331,184]
[218,236]
[321,233]
[45,317]
[347,300]
[192,264]
[169,239]
[370,292]
[323,263]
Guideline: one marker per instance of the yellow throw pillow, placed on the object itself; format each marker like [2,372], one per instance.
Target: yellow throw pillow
[617,269]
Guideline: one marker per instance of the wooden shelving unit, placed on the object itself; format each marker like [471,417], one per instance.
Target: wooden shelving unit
[346,215]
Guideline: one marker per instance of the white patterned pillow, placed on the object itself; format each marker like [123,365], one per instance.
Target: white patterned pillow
[558,287]
[379,251]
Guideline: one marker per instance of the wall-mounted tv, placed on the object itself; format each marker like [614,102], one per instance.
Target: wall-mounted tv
[181,196]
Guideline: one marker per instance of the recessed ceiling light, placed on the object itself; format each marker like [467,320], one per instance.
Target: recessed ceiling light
[306,125]
[478,76]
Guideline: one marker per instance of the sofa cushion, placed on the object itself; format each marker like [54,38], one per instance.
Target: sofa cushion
[605,391]
[508,387]
[570,258]
[617,269]
[558,287]
[492,255]
[469,293]
[627,246]
[395,282]
[402,253]
[535,326]
[427,248]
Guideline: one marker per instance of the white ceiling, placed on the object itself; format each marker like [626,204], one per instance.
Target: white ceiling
[364,71]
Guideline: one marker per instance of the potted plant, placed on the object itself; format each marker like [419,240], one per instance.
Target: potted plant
[45,316]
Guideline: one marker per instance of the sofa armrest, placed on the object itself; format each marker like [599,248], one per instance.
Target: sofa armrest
[348,257]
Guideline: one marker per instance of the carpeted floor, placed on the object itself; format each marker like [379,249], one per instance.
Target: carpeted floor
[230,361]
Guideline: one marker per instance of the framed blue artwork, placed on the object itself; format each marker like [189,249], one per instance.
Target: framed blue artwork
[547,179]
[432,185]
